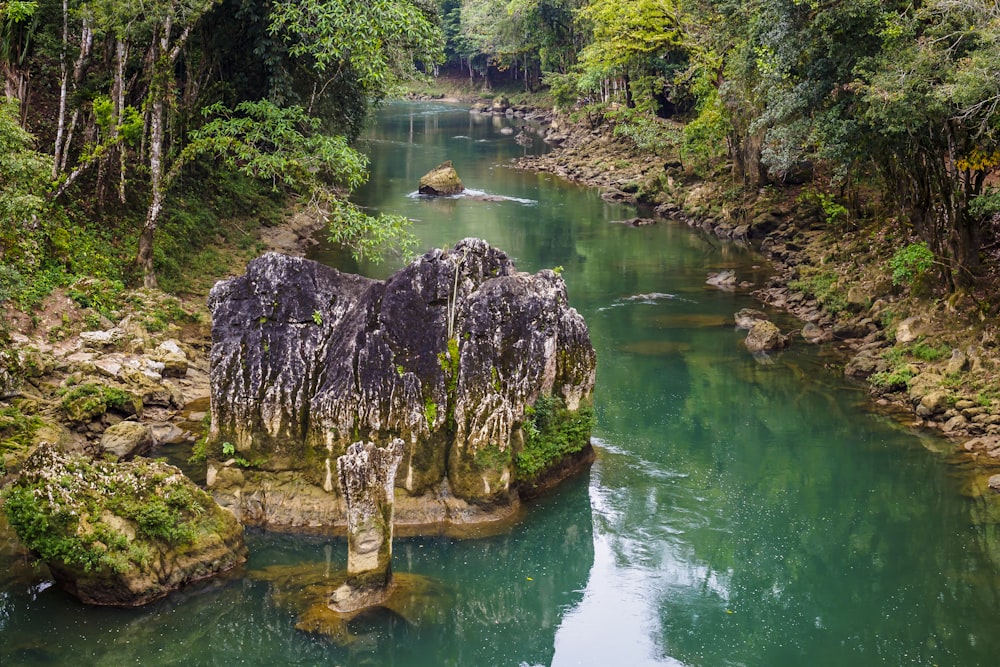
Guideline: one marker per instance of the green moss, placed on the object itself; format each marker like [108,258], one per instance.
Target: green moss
[17,431]
[86,401]
[552,432]
[450,363]
[430,411]
[825,288]
[491,457]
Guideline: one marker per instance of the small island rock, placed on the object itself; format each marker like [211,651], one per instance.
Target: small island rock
[441,181]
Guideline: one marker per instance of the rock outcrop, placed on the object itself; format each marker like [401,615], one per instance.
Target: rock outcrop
[441,181]
[450,354]
[120,534]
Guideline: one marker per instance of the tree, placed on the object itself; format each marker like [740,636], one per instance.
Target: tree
[929,106]
[284,146]
[635,49]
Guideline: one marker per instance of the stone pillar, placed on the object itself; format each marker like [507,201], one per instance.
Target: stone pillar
[367,477]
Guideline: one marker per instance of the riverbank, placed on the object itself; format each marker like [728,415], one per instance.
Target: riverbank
[930,356]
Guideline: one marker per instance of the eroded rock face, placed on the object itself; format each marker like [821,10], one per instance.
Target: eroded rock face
[447,354]
[120,534]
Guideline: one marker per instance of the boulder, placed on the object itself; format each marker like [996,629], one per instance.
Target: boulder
[911,329]
[173,359]
[127,439]
[120,534]
[994,483]
[764,336]
[443,180]
[747,317]
[485,373]
[723,279]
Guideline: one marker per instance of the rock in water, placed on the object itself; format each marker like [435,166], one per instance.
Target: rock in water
[485,373]
[367,477]
[441,181]
[764,335]
[120,534]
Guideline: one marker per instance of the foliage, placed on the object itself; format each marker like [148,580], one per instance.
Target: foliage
[644,131]
[825,288]
[377,41]
[910,263]
[284,145]
[17,430]
[551,433]
[896,379]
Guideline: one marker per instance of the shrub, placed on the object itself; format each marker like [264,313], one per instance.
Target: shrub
[551,433]
[910,263]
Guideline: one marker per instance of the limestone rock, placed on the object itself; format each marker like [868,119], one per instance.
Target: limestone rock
[367,477]
[812,333]
[126,533]
[747,317]
[994,483]
[911,329]
[447,354]
[441,181]
[127,439]
[173,358]
[764,336]
[722,279]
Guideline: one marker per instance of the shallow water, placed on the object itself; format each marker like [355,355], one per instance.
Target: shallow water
[739,513]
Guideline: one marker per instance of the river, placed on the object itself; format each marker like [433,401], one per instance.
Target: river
[740,511]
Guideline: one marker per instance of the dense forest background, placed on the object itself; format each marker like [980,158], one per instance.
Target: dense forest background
[128,127]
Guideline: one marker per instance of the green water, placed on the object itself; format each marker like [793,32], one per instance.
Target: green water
[739,513]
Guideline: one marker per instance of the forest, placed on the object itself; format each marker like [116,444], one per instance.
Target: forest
[117,114]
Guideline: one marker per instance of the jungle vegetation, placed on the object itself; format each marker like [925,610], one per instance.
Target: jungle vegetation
[121,119]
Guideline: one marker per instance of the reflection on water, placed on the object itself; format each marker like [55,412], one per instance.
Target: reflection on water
[738,513]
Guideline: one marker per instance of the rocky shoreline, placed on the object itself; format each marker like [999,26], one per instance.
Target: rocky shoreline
[865,326]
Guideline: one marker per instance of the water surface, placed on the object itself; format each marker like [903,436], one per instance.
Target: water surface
[739,513]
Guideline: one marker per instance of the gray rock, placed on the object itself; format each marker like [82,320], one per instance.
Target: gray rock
[764,336]
[911,329]
[101,339]
[936,401]
[814,334]
[441,181]
[957,363]
[994,483]
[127,439]
[723,279]
[173,358]
[447,354]
[747,317]
[955,423]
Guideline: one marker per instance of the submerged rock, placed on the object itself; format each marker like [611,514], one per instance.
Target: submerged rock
[484,372]
[441,181]
[120,534]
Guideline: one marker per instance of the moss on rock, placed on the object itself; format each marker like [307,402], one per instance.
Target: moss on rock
[120,534]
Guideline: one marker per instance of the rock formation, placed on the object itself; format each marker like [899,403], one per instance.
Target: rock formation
[367,477]
[120,534]
[441,181]
[449,354]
